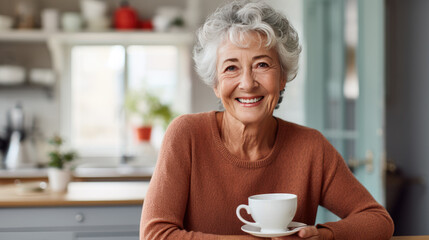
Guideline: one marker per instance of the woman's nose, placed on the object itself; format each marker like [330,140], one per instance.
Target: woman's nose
[248,81]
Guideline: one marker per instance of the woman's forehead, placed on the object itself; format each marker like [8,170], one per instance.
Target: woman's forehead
[245,39]
[253,46]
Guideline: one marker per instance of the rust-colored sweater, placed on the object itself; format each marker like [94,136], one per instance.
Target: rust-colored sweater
[198,184]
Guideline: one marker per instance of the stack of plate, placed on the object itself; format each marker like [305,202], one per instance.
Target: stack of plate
[11,74]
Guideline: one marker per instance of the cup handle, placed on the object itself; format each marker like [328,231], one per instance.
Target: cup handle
[248,212]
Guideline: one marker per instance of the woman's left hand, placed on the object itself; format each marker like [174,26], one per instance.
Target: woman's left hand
[310,233]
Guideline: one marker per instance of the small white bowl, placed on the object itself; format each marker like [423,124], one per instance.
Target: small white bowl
[42,76]
[10,74]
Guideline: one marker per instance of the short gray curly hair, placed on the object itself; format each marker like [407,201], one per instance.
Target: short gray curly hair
[235,20]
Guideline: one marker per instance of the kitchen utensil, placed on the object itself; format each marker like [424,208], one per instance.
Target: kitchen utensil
[5,22]
[42,76]
[125,17]
[20,151]
[93,9]
[71,22]
[272,212]
[165,17]
[50,20]
[26,14]
[293,228]
[98,24]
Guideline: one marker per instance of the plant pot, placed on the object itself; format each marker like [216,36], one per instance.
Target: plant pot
[144,133]
[59,179]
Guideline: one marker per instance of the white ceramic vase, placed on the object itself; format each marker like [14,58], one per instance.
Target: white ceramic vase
[59,179]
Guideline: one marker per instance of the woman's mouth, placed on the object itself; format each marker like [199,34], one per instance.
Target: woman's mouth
[249,100]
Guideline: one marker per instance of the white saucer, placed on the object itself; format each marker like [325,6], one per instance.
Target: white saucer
[256,231]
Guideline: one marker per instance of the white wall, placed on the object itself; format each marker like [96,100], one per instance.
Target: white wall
[292,107]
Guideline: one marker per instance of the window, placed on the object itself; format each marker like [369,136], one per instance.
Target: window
[94,119]
[96,98]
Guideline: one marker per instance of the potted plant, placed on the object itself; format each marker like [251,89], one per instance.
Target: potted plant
[147,110]
[59,172]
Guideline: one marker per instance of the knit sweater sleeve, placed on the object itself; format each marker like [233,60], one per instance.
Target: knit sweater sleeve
[362,217]
[167,198]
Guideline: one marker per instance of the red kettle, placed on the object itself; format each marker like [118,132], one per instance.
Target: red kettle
[125,17]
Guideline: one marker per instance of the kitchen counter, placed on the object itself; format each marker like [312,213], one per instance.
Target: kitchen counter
[23,173]
[78,194]
[85,173]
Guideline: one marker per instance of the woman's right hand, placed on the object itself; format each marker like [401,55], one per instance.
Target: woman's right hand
[309,233]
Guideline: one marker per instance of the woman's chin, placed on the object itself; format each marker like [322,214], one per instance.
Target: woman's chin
[252,118]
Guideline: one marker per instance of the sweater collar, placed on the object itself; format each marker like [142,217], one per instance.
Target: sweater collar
[228,156]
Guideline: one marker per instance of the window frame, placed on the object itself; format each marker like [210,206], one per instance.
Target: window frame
[64,46]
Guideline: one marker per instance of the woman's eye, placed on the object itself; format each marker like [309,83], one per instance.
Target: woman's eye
[262,65]
[230,68]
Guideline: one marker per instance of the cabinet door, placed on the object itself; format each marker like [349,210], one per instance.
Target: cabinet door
[37,236]
[117,233]
[58,218]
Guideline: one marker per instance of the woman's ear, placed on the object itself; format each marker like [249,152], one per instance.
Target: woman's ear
[283,82]
[216,90]
[283,79]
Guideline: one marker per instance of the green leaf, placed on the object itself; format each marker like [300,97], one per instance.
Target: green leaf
[57,158]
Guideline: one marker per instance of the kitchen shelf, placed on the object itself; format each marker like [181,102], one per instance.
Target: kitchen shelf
[24,36]
[48,89]
[58,41]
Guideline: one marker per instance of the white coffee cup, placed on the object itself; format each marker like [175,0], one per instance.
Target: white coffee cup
[50,20]
[272,212]
[71,21]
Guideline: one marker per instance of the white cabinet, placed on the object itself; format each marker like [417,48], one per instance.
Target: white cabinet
[70,223]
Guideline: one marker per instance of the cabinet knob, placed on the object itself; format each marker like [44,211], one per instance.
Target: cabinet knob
[79,217]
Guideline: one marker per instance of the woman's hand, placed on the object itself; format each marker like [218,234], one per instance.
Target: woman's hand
[310,233]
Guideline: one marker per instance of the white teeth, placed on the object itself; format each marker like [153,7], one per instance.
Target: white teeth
[252,100]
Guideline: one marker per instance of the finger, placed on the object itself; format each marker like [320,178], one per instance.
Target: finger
[308,232]
[290,237]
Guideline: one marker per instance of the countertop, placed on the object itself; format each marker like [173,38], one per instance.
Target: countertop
[78,194]
[84,173]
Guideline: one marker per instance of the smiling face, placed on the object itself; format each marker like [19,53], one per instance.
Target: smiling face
[249,80]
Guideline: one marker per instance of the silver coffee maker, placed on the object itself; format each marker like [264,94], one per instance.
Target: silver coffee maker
[19,150]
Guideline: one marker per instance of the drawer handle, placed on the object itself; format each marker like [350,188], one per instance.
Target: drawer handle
[79,217]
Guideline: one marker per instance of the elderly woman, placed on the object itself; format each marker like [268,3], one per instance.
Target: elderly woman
[212,162]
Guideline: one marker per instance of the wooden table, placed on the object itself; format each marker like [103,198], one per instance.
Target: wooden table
[411,237]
